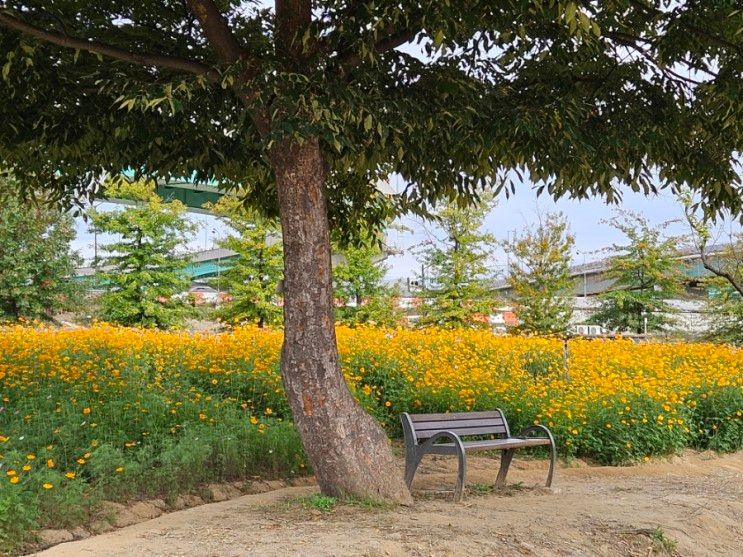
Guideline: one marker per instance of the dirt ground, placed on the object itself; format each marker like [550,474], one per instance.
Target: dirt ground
[694,503]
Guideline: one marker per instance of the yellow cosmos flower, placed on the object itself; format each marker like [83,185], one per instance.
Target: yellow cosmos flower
[47,485]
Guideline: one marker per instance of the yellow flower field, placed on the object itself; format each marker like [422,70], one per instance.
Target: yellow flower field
[113,412]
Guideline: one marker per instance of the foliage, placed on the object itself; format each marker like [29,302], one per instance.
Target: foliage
[663,543]
[725,303]
[322,503]
[725,308]
[174,398]
[646,274]
[457,286]
[36,264]
[116,414]
[113,413]
[582,100]
[143,273]
[253,278]
[539,276]
[359,290]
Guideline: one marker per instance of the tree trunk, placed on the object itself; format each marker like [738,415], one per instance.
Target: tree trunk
[348,450]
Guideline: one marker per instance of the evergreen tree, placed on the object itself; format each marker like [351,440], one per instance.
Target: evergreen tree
[253,278]
[359,287]
[457,286]
[37,267]
[539,276]
[645,274]
[142,271]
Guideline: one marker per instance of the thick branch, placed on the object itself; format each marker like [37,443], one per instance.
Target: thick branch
[140,58]
[293,17]
[388,41]
[217,31]
[736,284]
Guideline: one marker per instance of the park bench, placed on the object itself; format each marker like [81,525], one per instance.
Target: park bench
[442,434]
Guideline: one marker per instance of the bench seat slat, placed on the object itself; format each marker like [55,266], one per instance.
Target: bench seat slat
[511,443]
[455,416]
[446,424]
[486,430]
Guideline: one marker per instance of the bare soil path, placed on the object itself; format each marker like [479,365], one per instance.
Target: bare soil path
[695,500]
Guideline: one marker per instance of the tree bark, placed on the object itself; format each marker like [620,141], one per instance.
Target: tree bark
[347,448]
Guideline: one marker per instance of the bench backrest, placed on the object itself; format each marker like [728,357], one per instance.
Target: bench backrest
[423,426]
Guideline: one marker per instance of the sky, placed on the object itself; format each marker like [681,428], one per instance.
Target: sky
[510,215]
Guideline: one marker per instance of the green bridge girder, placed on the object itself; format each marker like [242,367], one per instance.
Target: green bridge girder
[192,195]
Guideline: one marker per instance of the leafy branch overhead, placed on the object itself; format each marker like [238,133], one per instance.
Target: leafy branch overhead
[582,97]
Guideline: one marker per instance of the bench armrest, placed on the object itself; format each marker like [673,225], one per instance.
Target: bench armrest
[444,435]
[537,427]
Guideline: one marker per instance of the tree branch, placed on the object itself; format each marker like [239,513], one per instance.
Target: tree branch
[293,18]
[217,31]
[737,285]
[388,41]
[139,58]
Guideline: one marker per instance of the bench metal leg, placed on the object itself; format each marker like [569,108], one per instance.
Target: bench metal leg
[505,462]
[553,460]
[459,490]
[412,460]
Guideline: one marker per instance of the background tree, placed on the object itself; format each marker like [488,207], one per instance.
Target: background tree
[539,276]
[142,271]
[37,267]
[458,282]
[359,279]
[646,274]
[253,278]
[721,253]
[309,103]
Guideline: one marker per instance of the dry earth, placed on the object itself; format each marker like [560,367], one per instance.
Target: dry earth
[696,500]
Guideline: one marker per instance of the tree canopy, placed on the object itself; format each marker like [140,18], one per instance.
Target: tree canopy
[581,97]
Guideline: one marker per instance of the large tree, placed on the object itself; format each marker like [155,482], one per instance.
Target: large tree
[539,275]
[303,105]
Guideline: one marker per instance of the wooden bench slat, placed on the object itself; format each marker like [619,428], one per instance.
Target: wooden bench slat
[446,424]
[510,443]
[416,418]
[424,434]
